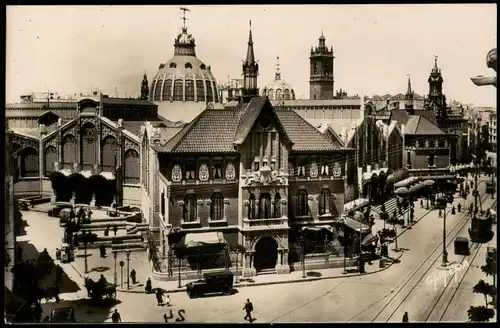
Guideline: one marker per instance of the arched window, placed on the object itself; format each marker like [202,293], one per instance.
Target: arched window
[277,206]
[210,96]
[270,94]
[29,162]
[287,94]
[278,94]
[216,99]
[302,208]
[159,84]
[188,65]
[167,90]
[88,142]
[50,158]
[178,90]
[190,208]
[265,206]
[293,95]
[251,207]
[172,65]
[200,91]
[189,90]
[109,155]
[132,167]
[217,207]
[431,160]
[69,151]
[324,201]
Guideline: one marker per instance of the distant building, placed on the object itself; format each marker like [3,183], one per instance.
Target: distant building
[232,90]
[279,89]
[321,80]
[493,130]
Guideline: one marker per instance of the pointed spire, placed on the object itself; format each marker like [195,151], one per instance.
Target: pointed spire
[250,53]
[277,76]
[408,91]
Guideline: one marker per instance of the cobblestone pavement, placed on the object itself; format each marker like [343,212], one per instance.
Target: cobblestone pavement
[330,300]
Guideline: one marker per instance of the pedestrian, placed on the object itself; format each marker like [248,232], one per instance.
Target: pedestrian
[106,232]
[149,287]
[248,309]
[38,312]
[421,203]
[58,254]
[440,213]
[167,300]
[405,317]
[459,208]
[159,297]
[115,229]
[46,319]
[102,249]
[115,317]
[132,276]
[453,210]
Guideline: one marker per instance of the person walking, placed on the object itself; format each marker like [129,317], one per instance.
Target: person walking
[115,229]
[133,276]
[102,249]
[159,297]
[149,286]
[167,300]
[248,309]
[405,317]
[115,317]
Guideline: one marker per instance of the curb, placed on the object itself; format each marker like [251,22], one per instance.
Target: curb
[183,289]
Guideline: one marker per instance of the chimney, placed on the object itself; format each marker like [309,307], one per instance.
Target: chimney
[59,122]
[120,123]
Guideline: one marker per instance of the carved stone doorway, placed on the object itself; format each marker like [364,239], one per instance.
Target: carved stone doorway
[266,254]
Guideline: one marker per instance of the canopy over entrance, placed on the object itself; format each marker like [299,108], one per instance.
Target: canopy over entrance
[369,239]
[356,225]
[317,228]
[193,240]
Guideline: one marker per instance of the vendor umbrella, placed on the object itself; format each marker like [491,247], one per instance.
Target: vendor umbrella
[369,239]
[358,216]
[401,191]
[428,183]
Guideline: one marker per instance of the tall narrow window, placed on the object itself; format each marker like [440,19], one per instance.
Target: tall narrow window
[277,206]
[430,160]
[200,91]
[178,90]
[302,208]
[157,91]
[167,90]
[216,170]
[217,207]
[210,96]
[408,158]
[324,202]
[265,206]
[163,204]
[189,90]
[251,207]
[190,208]
[190,170]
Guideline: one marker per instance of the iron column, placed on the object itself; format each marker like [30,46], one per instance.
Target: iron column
[115,279]
[128,268]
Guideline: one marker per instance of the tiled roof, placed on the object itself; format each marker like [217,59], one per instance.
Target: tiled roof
[216,130]
[419,125]
[400,116]
[428,114]
[30,133]
[304,136]
[318,102]
[41,105]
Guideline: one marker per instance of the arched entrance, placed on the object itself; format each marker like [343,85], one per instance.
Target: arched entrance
[266,254]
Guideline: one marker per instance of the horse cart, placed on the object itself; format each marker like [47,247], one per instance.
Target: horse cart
[97,290]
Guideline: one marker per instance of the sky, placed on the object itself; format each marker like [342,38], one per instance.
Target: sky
[71,49]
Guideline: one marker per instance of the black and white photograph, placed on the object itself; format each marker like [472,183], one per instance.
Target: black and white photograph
[251,163]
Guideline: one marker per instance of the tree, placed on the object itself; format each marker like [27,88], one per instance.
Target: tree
[480,314]
[486,289]
[144,88]
[395,222]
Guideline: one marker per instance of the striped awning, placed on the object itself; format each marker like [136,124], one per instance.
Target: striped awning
[356,225]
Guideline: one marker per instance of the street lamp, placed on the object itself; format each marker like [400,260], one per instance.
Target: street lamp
[429,184]
[115,253]
[441,201]
[85,242]
[127,252]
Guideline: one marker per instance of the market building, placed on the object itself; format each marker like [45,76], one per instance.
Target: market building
[252,174]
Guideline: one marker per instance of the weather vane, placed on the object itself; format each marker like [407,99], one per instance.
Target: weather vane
[183,9]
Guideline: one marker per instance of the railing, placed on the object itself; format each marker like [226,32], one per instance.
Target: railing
[265,222]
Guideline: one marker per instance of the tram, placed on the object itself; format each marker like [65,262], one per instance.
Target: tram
[481,230]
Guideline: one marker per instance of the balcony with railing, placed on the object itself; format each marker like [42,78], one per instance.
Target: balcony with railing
[263,224]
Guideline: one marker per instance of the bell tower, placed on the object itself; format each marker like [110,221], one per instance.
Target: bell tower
[250,71]
[436,100]
[321,77]
[409,98]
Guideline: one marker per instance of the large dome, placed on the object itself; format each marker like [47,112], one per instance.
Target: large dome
[184,78]
[278,89]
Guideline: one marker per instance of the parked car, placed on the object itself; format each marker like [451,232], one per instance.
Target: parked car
[220,282]
[62,315]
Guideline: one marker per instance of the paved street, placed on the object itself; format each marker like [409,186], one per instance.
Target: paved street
[383,296]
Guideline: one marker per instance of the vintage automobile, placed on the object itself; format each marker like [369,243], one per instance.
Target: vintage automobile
[63,315]
[220,282]
[461,246]
[490,187]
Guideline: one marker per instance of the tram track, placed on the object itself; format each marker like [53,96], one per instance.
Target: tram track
[427,264]
[436,252]
[459,282]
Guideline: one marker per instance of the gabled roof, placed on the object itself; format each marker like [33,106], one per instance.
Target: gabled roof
[419,125]
[428,114]
[326,129]
[250,115]
[400,116]
[216,130]
[48,112]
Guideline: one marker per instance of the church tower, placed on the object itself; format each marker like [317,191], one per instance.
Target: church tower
[250,72]
[409,99]
[321,80]
[436,100]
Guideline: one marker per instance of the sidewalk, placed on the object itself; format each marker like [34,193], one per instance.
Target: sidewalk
[275,279]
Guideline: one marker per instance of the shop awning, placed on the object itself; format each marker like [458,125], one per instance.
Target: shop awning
[369,239]
[416,187]
[437,177]
[191,240]
[406,182]
[356,225]
[356,204]
[317,228]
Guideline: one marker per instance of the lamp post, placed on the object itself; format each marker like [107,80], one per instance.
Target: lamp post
[441,204]
[115,253]
[128,268]
[85,242]
[179,270]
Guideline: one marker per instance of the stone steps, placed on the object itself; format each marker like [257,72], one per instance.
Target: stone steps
[113,242]
[266,271]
